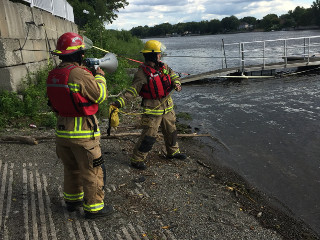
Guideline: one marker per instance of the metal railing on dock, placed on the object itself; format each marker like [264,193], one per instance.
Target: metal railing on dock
[262,59]
[304,49]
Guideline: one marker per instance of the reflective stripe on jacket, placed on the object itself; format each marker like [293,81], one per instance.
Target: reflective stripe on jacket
[78,132]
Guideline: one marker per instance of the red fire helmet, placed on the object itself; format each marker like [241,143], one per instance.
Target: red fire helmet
[69,43]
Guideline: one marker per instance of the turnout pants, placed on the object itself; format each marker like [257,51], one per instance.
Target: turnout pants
[150,125]
[83,174]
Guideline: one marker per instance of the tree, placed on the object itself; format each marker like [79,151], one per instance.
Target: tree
[302,16]
[179,28]
[308,17]
[203,27]
[230,23]
[140,31]
[270,22]
[102,10]
[192,27]
[316,11]
[215,26]
[287,21]
[162,29]
[250,20]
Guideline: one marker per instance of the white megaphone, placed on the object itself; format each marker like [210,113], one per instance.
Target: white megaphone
[109,62]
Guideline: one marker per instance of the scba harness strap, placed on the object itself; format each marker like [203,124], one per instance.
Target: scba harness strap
[159,83]
[65,97]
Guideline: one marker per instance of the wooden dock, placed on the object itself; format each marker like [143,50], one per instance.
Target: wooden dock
[256,71]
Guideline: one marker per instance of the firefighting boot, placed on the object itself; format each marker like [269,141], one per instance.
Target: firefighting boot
[105,211]
[139,165]
[179,156]
[73,206]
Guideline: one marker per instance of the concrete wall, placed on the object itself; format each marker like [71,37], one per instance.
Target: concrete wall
[19,40]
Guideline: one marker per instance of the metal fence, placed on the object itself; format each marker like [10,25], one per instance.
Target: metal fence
[59,8]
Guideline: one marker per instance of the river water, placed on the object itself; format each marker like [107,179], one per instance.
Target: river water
[271,127]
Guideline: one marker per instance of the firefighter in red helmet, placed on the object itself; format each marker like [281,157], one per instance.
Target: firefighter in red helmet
[154,81]
[75,94]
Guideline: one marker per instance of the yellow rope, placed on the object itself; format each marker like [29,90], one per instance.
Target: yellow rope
[101,49]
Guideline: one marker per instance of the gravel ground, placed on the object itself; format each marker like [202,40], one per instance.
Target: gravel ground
[172,199]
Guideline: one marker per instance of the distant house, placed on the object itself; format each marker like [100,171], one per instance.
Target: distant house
[244,26]
[186,33]
[175,35]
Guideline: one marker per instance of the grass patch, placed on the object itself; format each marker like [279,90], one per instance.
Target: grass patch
[29,106]
[184,116]
[183,128]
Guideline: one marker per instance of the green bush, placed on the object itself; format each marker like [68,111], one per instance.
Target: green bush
[29,105]
[184,115]
[11,105]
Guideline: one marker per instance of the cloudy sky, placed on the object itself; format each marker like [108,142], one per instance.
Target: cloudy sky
[153,12]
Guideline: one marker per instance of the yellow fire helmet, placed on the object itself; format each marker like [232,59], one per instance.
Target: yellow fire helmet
[153,46]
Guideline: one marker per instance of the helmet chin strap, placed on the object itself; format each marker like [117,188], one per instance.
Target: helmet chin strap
[159,64]
[76,57]
[156,63]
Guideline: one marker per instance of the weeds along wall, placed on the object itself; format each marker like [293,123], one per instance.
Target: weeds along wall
[26,37]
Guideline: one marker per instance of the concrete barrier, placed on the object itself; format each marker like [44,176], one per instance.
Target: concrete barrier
[26,37]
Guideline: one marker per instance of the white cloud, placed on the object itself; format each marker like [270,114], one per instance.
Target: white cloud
[153,12]
[160,16]
[260,9]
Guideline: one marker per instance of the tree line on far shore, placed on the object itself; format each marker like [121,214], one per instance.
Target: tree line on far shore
[299,18]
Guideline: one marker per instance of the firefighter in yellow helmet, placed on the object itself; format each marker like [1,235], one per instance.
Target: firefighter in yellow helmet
[75,94]
[154,81]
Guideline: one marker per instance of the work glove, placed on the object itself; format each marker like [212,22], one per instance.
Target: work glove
[177,87]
